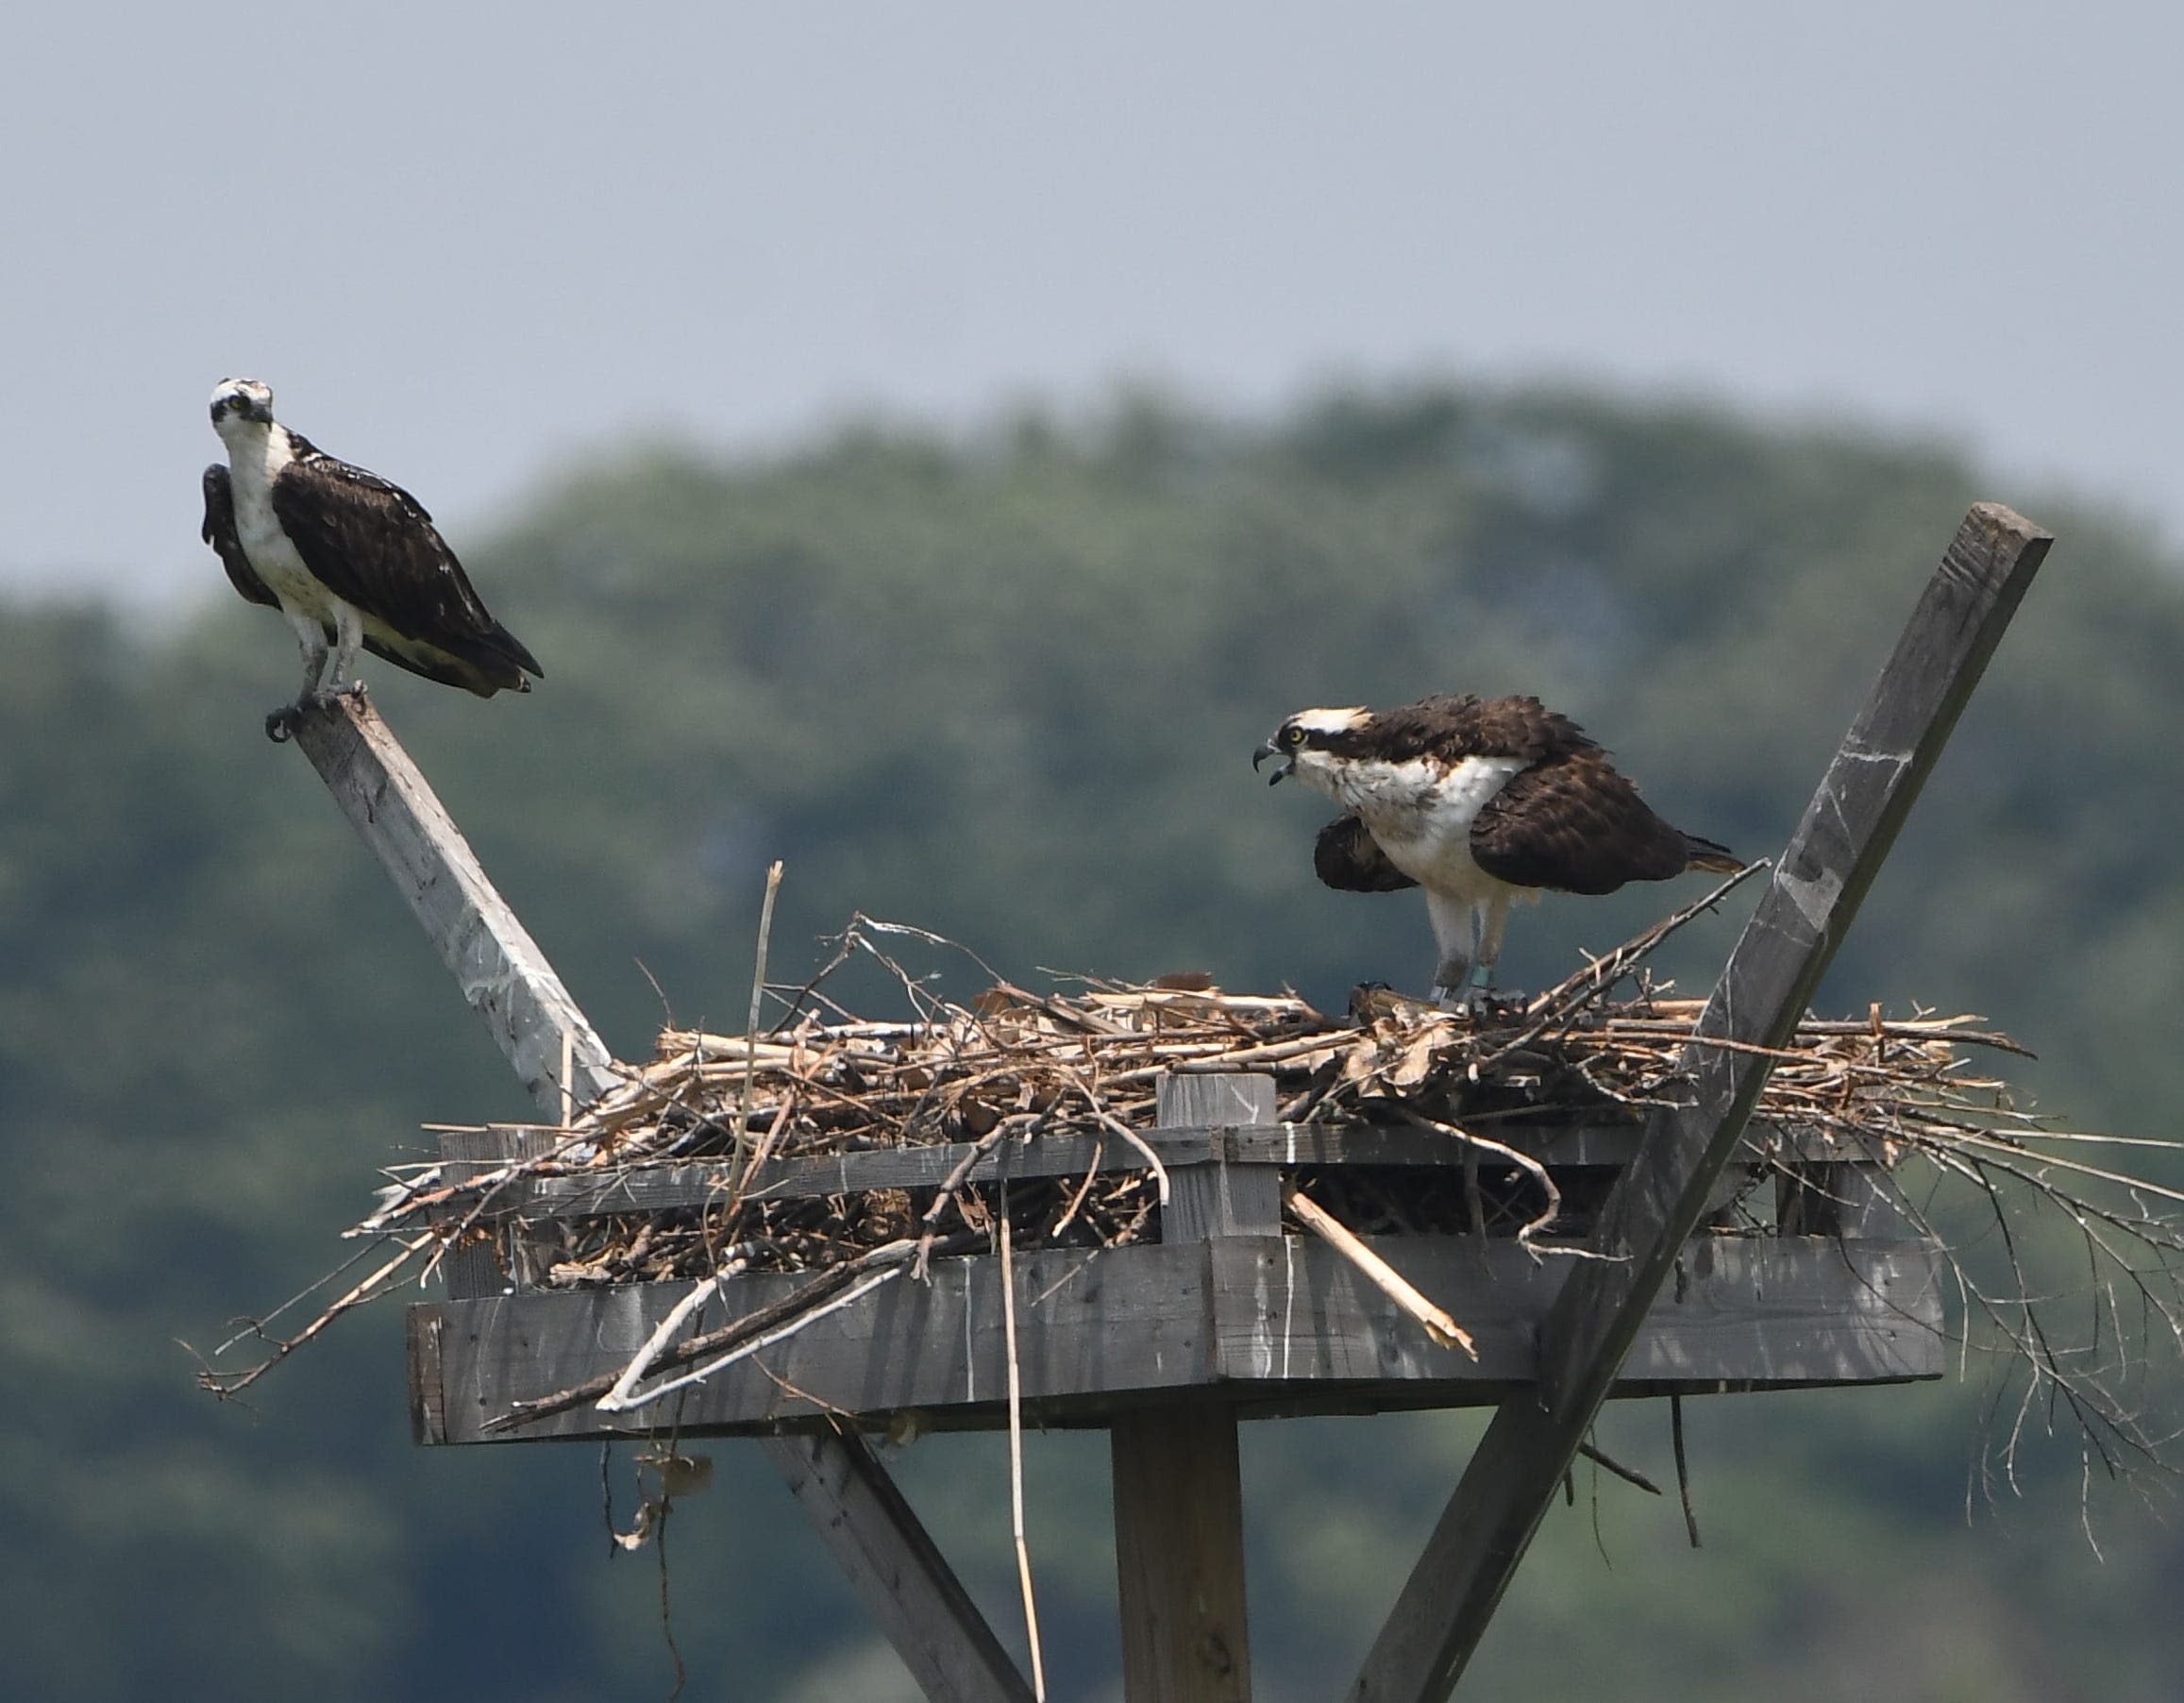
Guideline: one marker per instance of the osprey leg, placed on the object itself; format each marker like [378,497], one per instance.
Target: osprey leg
[1452,923]
[349,640]
[1489,922]
[310,638]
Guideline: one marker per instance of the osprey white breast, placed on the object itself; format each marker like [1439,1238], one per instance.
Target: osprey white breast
[258,454]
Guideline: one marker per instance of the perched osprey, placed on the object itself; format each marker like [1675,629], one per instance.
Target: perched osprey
[349,558]
[1482,802]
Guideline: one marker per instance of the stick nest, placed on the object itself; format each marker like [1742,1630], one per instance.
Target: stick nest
[1966,1166]
[1014,1066]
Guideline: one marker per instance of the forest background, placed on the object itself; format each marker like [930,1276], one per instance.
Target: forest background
[1003,683]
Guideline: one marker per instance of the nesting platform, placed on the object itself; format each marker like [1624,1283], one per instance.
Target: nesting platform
[1166,1342]
[1822,1284]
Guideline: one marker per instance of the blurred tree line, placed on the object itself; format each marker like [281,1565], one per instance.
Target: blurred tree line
[1006,687]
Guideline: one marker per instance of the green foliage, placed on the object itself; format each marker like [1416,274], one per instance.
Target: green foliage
[1008,689]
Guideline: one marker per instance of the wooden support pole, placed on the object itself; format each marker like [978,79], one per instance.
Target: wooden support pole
[1179,1555]
[502,971]
[862,1517]
[1817,883]
[1179,1499]
[901,1577]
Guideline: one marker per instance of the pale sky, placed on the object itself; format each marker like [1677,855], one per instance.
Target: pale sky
[469,245]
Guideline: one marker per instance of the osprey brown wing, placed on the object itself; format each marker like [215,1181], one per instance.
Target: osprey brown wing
[219,532]
[1348,857]
[373,544]
[1576,826]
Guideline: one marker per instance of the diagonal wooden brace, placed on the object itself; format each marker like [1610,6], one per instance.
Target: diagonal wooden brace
[1817,883]
[871,1531]
[499,968]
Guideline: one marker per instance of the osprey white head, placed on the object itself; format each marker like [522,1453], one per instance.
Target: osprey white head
[239,401]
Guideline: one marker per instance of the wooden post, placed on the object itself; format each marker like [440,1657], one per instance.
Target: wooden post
[1817,883]
[1179,1555]
[860,1515]
[892,1564]
[502,971]
[1179,1500]
[1222,1198]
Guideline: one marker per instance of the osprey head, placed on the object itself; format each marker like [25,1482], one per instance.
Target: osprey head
[238,399]
[1304,735]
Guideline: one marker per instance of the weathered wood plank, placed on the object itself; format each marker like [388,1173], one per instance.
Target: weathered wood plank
[903,1580]
[1179,1553]
[1220,1196]
[1754,1311]
[1817,883]
[1279,1320]
[422,1329]
[702,1183]
[477,1267]
[503,975]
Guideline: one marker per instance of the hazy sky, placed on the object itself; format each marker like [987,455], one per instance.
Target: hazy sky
[470,245]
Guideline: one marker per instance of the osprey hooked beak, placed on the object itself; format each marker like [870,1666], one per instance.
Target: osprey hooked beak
[1287,740]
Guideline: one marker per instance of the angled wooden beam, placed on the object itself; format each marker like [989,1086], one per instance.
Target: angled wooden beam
[502,971]
[903,1580]
[1818,884]
[861,1516]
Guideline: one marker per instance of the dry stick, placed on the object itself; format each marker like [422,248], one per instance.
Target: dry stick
[1137,1141]
[1524,1162]
[953,1181]
[1683,1471]
[255,1327]
[1627,1473]
[1443,1329]
[1084,1188]
[758,988]
[1563,1002]
[789,1308]
[226,1384]
[617,1398]
[781,1333]
[1016,1456]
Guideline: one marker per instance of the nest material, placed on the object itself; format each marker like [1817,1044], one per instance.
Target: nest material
[1016,1065]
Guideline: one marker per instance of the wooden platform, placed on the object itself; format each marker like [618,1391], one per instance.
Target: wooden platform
[1283,1326]
[1224,1304]
[1668,1306]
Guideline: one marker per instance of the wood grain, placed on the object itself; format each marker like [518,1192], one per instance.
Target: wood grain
[1179,1555]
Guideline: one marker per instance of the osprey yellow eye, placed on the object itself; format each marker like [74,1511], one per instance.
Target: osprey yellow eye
[1292,736]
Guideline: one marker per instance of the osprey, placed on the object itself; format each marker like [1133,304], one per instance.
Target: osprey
[350,559]
[1482,802]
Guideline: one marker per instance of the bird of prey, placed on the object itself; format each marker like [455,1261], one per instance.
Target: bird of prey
[1481,801]
[350,559]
